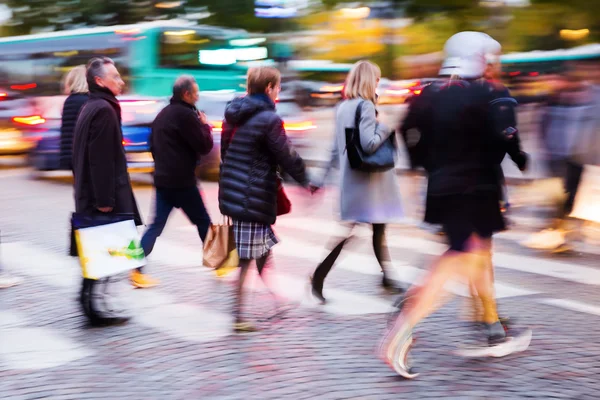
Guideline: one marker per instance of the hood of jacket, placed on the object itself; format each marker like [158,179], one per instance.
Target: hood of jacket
[240,109]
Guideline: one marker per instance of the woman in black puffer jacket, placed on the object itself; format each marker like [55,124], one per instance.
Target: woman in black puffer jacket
[77,89]
[253,145]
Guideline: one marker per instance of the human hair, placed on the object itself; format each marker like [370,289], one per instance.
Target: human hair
[259,79]
[183,84]
[96,67]
[362,81]
[75,81]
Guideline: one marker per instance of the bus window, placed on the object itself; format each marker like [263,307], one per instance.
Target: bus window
[189,49]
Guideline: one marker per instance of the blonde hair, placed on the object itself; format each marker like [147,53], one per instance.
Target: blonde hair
[75,81]
[259,79]
[362,81]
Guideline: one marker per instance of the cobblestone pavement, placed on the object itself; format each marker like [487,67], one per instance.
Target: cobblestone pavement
[179,345]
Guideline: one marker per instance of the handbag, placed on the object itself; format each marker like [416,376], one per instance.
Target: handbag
[219,247]
[284,205]
[383,159]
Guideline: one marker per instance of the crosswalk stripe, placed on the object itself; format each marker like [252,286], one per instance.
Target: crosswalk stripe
[572,305]
[534,265]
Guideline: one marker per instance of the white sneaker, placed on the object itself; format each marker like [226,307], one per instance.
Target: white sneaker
[7,281]
[548,239]
[511,345]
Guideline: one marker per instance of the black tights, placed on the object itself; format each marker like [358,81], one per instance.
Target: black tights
[379,246]
[244,267]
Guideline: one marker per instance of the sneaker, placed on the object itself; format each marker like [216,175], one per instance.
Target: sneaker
[143,281]
[548,239]
[395,348]
[7,281]
[515,343]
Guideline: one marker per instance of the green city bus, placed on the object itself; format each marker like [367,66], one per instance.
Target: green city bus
[149,55]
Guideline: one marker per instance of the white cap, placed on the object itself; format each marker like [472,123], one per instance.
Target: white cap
[466,54]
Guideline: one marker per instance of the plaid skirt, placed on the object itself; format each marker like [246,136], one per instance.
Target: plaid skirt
[253,239]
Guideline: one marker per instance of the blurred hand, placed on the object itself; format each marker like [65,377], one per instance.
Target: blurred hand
[202,117]
[105,209]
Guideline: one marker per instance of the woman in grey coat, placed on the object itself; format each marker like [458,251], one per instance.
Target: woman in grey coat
[365,197]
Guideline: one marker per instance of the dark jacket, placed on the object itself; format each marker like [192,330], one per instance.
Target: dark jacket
[178,137]
[253,145]
[457,131]
[71,109]
[99,162]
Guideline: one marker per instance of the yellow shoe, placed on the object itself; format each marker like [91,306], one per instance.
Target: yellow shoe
[143,281]
[225,270]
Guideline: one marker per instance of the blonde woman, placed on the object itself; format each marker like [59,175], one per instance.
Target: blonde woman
[365,197]
[75,86]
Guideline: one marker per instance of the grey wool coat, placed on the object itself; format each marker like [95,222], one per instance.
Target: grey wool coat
[368,197]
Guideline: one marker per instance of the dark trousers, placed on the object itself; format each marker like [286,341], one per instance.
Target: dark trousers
[190,202]
[379,246]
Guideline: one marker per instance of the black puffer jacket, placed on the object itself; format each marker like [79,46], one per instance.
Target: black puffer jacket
[253,145]
[71,109]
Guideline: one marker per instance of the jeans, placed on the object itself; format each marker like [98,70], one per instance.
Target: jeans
[190,202]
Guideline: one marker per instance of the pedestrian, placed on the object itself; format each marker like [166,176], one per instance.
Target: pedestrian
[504,115]
[253,144]
[569,131]
[460,141]
[365,197]
[76,88]
[180,134]
[102,185]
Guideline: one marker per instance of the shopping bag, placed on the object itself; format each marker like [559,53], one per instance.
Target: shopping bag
[587,199]
[107,244]
[219,247]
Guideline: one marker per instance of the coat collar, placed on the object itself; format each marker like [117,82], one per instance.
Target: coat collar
[97,92]
[183,103]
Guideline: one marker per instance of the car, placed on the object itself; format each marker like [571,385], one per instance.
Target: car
[137,116]
[297,127]
[308,93]
[18,123]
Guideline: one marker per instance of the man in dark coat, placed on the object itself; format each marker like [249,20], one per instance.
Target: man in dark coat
[102,185]
[180,134]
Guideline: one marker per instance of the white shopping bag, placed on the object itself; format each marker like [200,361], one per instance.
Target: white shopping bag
[110,249]
[587,199]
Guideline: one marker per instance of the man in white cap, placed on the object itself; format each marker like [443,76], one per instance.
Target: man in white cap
[464,129]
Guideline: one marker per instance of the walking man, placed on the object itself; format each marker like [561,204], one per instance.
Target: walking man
[102,184]
[179,135]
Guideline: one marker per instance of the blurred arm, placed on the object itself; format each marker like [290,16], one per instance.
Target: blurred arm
[280,147]
[197,134]
[102,145]
[372,132]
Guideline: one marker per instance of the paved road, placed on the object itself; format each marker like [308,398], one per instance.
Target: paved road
[179,345]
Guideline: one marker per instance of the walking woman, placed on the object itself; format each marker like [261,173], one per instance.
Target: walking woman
[76,87]
[253,145]
[365,197]
[460,142]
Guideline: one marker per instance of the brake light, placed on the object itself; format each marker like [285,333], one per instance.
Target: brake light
[24,87]
[299,126]
[515,73]
[30,121]
[417,92]
[217,126]
[534,74]
[2,95]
